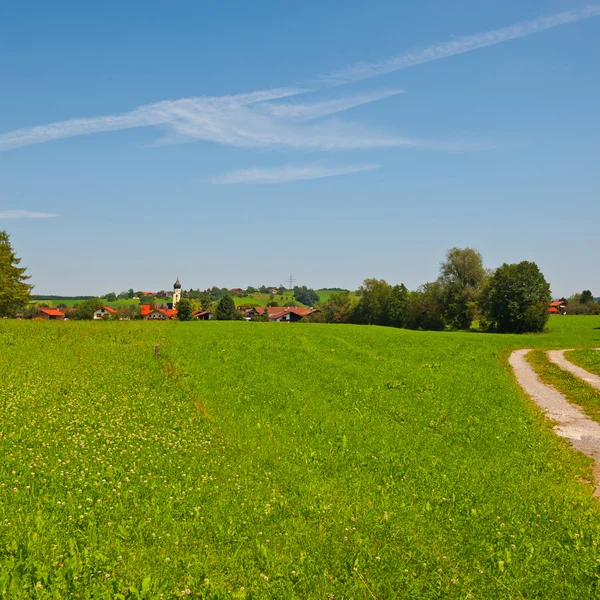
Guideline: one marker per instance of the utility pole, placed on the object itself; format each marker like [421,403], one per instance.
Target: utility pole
[291,282]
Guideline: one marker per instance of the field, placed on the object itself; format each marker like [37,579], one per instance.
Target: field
[262,299]
[71,303]
[260,460]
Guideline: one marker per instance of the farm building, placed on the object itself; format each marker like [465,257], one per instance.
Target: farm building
[558,307]
[281,314]
[50,314]
[104,311]
[203,315]
[160,314]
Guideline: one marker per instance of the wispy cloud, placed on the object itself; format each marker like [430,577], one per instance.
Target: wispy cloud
[289,172]
[165,113]
[265,119]
[365,70]
[25,214]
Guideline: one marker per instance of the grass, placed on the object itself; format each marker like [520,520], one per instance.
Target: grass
[262,299]
[325,294]
[257,460]
[587,359]
[71,303]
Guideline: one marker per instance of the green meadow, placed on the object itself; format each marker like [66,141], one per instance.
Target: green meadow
[69,303]
[261,460]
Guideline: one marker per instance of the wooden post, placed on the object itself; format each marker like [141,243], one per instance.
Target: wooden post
[156,350]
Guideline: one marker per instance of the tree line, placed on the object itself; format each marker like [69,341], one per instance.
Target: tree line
[513,298]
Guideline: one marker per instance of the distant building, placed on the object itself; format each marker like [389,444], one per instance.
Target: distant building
[203,315]
[236,291]
[50,314]
[103,312]
[558,307]
[154,313]
[281,314]
[160,314]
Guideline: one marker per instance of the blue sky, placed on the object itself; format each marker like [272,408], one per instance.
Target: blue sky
[234,143]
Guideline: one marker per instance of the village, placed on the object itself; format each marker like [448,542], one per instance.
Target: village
[168,311]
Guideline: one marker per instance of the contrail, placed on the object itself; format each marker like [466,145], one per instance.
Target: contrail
[365,70]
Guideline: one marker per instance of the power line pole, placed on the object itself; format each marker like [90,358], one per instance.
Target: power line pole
[291,282]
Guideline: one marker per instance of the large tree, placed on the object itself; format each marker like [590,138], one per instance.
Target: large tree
[14,289]
[461,276]
[515,299]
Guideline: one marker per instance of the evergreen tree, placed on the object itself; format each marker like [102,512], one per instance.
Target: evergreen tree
[226,309]
[14,291]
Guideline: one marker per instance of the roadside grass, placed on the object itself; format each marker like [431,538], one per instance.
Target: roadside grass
[586,359]
[257,460]
[576,390]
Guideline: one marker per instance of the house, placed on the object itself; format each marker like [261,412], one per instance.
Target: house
[50,314]
[236,291]
[557,307]
[104,311]
[282,314]
[203,315]
[160,314]
[272,291]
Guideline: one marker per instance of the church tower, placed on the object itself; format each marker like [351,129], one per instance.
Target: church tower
[176,293]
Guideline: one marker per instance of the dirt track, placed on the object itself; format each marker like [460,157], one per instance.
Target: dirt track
[581,431]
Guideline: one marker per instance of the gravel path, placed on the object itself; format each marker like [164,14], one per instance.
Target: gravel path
[583,433]
[558,358]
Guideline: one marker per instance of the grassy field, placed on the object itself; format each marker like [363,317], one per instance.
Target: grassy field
[324,294]
[262,299]
[71,303]
[258,460]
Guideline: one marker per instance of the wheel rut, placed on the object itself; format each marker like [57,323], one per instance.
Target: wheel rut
[571,422]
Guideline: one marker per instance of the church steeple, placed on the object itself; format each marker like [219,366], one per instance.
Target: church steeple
[176,292]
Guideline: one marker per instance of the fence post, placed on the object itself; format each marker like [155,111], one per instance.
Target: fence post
[156,350]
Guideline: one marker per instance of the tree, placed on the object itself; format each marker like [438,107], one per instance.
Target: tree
[130,293]
[110,297]
[586,296]
[226,309]
[461,276]
[515,299]
[425,308]
[306,295]
[85,310]
[184,309]
[14,291]
[374,306]
[335,310]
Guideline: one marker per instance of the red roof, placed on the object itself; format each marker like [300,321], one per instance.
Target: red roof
[51,312]
[557,303]
[553,310]
[109,309]
[168,312]
[146,309]
[278,311]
